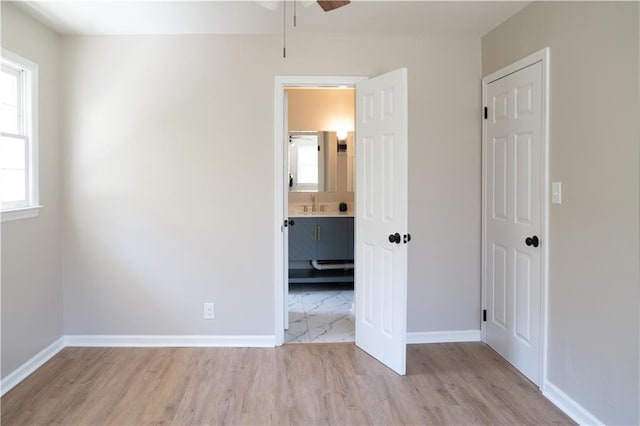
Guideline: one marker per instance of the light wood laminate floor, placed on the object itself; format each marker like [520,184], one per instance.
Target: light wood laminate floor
[337,383]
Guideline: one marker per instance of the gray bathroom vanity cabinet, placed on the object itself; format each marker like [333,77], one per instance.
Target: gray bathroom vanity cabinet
[322,239]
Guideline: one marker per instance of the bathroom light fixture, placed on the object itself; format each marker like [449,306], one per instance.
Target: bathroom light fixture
[342,145]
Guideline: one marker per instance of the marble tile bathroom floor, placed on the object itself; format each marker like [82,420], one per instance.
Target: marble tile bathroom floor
[320,313]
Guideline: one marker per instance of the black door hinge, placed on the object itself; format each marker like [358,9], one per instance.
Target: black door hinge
[486,113]
[484,315]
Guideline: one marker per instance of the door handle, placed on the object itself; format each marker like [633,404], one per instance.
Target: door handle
[532,241]
[394,238]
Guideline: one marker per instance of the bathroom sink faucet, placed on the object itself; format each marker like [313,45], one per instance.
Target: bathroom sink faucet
[314,206]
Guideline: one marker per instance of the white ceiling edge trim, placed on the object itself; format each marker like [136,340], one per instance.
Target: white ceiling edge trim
[32,9]
[67,21]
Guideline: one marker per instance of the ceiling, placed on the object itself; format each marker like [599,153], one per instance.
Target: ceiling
[474,18]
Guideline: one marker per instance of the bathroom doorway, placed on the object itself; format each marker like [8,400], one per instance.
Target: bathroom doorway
[319,170]
[381,213]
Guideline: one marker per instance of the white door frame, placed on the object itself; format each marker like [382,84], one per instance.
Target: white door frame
[543,57]
[280,184]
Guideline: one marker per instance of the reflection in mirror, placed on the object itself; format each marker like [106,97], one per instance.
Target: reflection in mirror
[320,162]
[304,163]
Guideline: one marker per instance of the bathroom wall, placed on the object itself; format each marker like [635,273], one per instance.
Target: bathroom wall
[321,109]
[326,109]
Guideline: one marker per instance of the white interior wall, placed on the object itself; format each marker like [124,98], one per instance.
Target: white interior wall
[594,272]
[31,291]
[168,177]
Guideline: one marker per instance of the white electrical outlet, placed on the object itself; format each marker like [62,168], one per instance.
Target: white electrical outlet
[209,311]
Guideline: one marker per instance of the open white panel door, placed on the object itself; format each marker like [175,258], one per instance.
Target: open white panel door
[381,218]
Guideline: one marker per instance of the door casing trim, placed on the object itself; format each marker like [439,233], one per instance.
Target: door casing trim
[542,56]
[280,205]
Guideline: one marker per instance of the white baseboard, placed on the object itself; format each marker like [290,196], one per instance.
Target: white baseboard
[22,372]
[570,407]
[444,336]
[170,341]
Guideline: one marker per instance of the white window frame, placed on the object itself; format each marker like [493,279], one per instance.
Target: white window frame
[30,118]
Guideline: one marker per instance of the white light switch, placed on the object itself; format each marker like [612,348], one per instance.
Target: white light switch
[556,192]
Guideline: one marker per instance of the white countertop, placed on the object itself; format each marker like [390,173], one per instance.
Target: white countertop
[321,214]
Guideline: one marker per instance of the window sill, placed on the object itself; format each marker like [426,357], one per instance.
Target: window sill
[22,213]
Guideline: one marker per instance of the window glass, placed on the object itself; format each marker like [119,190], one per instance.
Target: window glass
[308,163]
[9,100]
[18,147]
[13,176]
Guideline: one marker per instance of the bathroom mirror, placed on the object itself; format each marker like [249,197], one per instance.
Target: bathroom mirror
[321,162]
